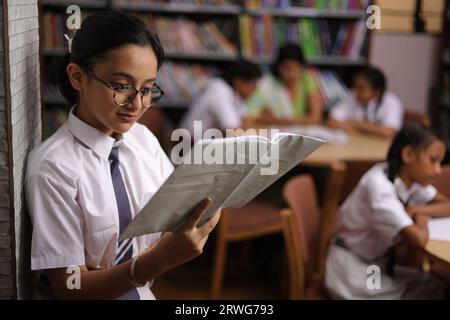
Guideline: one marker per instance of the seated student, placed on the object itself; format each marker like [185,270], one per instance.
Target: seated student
[222,104]
[391,204]
[370,108]
[290,96]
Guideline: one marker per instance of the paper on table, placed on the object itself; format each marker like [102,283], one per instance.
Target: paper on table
[228,185]
[332,136]
[439,229]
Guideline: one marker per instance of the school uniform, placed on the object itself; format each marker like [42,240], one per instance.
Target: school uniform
[74,195]
[369,225]
[389,113]
[218,106]
[271,93]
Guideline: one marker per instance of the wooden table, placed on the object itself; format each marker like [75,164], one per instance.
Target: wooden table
[360,147]
[439,249]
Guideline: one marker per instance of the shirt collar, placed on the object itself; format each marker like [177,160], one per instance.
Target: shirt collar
[403,192]
[94,139]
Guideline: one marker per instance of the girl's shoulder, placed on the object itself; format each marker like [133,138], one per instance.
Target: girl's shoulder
[392,100]
[54,155]
[376,179]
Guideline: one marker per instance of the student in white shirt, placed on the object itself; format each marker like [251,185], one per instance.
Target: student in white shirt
[370,108]
[221,105]
[391,205]
[87,181]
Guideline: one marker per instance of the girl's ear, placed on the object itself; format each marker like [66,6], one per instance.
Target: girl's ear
[76,76]
[407,154]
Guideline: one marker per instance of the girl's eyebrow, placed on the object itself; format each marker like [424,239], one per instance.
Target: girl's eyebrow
[129,76]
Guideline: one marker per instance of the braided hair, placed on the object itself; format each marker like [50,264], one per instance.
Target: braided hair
[413,135]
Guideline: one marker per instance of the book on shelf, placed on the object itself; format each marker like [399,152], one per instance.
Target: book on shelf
[141,3]
[332,89]
[181,81]
[55,28]
[261,36]
[181,35]
[314,4]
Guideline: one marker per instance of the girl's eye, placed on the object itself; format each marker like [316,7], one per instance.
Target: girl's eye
[145,90]
[120,87]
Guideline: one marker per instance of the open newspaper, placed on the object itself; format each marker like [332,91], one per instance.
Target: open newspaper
[230,171]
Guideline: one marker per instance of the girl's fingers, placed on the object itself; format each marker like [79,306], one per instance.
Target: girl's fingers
[195,216]
[206,228]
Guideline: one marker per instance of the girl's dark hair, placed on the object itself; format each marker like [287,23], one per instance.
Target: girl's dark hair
[99,34]
[289,51]
[376,79]
[413,135]
[241,69]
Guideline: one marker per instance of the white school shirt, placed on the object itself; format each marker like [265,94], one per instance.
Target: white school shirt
[370,219]
[219,107]
[388,114]
[71,199]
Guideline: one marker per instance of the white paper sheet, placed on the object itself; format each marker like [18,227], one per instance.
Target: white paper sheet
[439,229]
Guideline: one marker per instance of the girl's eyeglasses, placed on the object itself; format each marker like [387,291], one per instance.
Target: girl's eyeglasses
[125,93]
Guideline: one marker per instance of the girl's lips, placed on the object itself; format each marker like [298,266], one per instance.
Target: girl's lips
[127,118]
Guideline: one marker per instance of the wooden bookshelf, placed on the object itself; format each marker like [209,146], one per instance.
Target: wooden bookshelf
[307,13]
[230,13]
[180,8]
[85,4]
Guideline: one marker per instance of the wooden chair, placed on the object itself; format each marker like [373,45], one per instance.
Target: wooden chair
[307,231]
[442,182]
[355,169]
[156,121]
[258,219]
[254,220]
[413,117]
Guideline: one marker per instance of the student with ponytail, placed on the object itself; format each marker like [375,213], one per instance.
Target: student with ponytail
[86,182]
[370,108]
[391,205]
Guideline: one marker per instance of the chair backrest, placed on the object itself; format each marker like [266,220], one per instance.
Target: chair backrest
[355,169]
[442,182]
[300,194]
[412,117]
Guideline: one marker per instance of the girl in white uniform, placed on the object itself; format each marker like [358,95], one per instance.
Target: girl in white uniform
[87,181]
[370,108]
[391,204]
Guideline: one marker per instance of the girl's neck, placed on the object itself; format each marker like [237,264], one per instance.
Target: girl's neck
[405,178]
[82,113]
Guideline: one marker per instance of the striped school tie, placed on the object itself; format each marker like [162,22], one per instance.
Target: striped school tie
[125,247]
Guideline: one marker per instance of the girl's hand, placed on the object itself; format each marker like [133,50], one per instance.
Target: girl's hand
[187,242]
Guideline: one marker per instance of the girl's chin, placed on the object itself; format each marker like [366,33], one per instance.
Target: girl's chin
[122,127]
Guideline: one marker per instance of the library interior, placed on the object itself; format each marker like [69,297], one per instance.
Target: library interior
[369,79]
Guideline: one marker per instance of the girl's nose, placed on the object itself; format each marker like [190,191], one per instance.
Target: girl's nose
[438,168]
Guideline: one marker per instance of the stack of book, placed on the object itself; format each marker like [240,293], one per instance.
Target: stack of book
[261,36]
[181,35]
[181,82]
[397,16]
[433,12]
